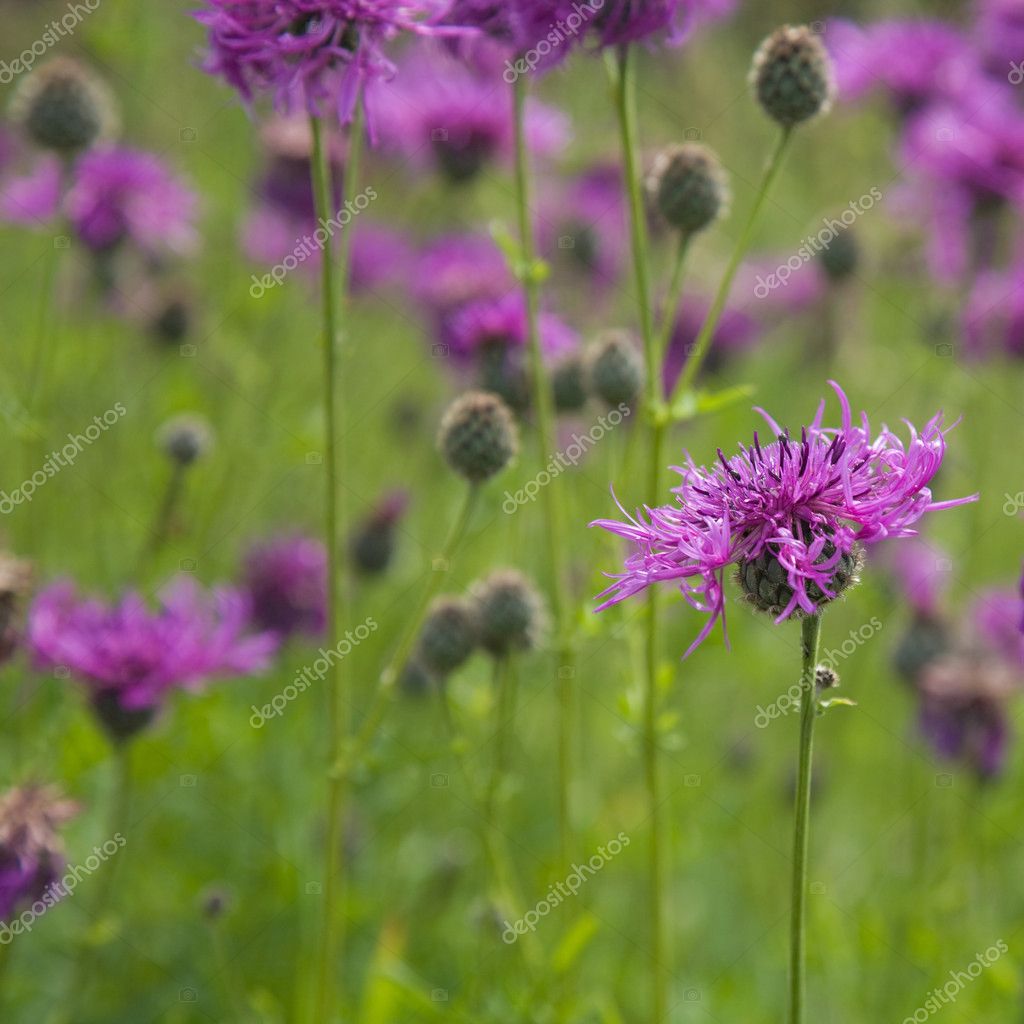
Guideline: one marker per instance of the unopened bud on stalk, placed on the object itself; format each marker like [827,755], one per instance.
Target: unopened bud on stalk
[478,436]
[449,635]
[840,257]
[616,369]
[185,439]
[688,187]
[510,612]
[792,76]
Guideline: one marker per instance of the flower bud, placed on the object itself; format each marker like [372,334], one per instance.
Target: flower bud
[448,637]
[569,383]
[185,438]
[62,106]
[478,436]
[510,612]
[840,257]
[687,186]
[615,369]
[792,76]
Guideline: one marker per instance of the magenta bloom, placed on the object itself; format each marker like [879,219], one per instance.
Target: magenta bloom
[921,572]
[455,269]
[440,112]
[993,317]
[311,55]
[583,224]
[793,510]
[516,29]
[31,851]
[913,61]
[630,21]
[999,33]
[130,656]
[997,615]
[285,579]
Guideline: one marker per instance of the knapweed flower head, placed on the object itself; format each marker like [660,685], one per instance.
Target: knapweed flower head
[688,187]
[998,33]
[285,581]
[478,436]
[453,270]
[510,612]
[792,76]
[130,656]
[372,545]
[992,321]
[921,572]
[449,635]
[311,55]
[790,515]
[439,112]
[534,29]
[31,850]
[996,615]
[618,22]
[185,438]
[615,368]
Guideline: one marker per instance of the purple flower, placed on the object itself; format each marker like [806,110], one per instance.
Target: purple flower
[628,21]
[311,55]
[921,572]
[914,61]
[737,332]
[583,223]
[381,257]
[126,195]
[513,30]
[502,323]
[31,851]
[964,709]
[440,112]
[993,317]
[455,269]
[996,615]
[999,34]
[130,657]
[794,511]
[285,579]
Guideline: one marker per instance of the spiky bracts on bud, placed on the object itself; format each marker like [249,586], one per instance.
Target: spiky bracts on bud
[185,439]
[615,369]
[569,383]
[688,187]
[764,579]
[792,76]
[840,257]
[478,436]
[510,612]
[64,107]
[449,636]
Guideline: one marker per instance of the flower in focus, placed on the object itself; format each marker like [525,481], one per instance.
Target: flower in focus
[315,56]
[285,580]
[439,111]
[31,851]
[130,657]
[790,515]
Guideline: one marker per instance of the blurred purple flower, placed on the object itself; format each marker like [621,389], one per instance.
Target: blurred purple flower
[999,34]
[312,55]
[583,223]
[630,21]
[737,332]
[993,316]
[455,269]
[130,657]
[805,505]
[438,111]
[996,615]
[921,572]
[285,579]
[510,30]
[31,851]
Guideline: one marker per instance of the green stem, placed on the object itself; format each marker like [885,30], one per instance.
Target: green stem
[673,299]
[801,830]
[505,694]
[165,514]
[699,352]
[393,670]
[552,497]
[332,287]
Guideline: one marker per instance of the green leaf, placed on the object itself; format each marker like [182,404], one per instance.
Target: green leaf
[573,943]
[701,403]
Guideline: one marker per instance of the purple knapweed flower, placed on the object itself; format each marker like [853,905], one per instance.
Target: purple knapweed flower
[993,317]
[998,32]
[790,515]
[285,579]
[439,112]
[996,615]
[315,56]
[453,270]
[129,656]
[921,572]
[618,22]
[31,850]
[583,224]
[912,61]
[507,33]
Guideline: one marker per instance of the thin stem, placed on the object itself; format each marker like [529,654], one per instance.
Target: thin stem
[801,829]
[504,677]
[334,865]
[673,300]
[165,514]
[699,352]
[552,496]
[393,670]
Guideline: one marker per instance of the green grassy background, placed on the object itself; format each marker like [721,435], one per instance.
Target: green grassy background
[915,869]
